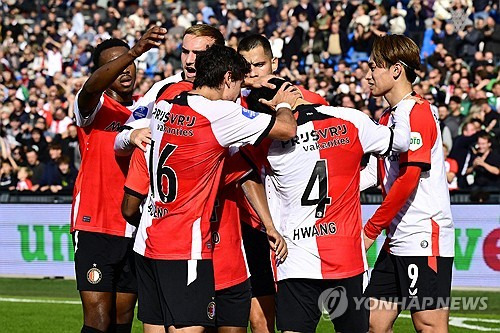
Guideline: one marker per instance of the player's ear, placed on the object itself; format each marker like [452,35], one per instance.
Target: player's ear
[228,78]
[397,70]
[274,64]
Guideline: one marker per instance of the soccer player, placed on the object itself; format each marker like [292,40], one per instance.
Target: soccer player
[102,238]
[190,134]
[256,49]
[312,184]
[196,38]
[414,266]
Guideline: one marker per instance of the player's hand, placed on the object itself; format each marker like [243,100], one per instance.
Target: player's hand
[141,137]
[368,241]
[154,37]
[259,82]
[288,93]
[278,244]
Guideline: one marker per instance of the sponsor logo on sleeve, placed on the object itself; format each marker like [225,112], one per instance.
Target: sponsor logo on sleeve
[249,113]
[140,112]
[416,141]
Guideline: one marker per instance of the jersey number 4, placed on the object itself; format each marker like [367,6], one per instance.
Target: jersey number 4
[163,171]
[320,173]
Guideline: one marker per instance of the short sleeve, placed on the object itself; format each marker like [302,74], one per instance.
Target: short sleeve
[422,138]
[235,168]
[240,126]
[137,182]
[82,121]
[375,138]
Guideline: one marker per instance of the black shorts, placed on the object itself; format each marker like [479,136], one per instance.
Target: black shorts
[300,304]
[411,282]
[104,262]
[233,305]
[257,251]
[166,299]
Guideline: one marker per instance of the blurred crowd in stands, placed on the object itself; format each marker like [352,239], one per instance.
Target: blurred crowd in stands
[46,54]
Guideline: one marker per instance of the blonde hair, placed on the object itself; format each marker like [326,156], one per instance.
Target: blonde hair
[205,30]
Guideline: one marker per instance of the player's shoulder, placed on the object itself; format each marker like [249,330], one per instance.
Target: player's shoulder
[205,105]
[171,90]
[312,97]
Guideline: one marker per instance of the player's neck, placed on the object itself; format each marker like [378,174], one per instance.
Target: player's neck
[396,94]
[300,101]
[120,98]
[207,92]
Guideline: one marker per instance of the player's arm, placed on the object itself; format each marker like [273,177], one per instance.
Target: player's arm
[136,188]
[285,125]
[400,192]
[418,159]
[239,126]
[133,134]
[368,176]
[104,76]
[131,209]
[256,195]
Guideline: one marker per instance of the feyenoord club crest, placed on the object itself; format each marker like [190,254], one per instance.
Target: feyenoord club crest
[94,275]
[211,310]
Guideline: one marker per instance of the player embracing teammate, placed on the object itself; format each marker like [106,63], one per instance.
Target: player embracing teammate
[175,240]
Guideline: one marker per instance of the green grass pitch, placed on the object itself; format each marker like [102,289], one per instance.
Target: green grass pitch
[30,305]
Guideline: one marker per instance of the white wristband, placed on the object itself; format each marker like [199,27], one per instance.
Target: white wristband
[126,138]
[283,105]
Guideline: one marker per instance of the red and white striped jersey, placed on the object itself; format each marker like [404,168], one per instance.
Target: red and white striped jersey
[424,226]
[248,215]
[190,136]
[313,190]
[98,189]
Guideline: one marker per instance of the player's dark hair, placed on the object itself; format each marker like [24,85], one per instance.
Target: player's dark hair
[107,44]
[391,49]
[252,41]
[212,64]
[265,93]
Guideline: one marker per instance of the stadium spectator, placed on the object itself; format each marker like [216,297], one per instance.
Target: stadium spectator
[451,168]
[36,167]
[23,180]
[64,181]
[485,165]
[50,169]
[45,53]
[7,175]
[462,152]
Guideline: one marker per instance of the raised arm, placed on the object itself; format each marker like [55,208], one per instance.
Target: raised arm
[102,78]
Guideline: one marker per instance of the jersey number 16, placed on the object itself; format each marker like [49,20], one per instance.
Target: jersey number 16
[163,170]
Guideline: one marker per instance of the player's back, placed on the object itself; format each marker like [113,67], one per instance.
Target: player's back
[190,134]
[313,190]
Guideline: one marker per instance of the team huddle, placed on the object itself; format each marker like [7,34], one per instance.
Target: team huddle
[226,197]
